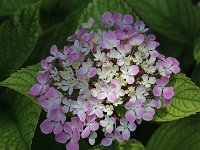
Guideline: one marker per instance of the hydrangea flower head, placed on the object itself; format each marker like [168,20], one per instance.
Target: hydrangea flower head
[81,85]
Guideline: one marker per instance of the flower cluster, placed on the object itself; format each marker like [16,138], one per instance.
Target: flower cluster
[84,85]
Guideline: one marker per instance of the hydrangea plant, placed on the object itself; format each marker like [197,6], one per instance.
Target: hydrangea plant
[116,84]
[83,86]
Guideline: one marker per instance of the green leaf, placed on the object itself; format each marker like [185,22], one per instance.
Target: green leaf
[196,74]
[10,6]
[55,35]
[121,111]
[126,145]
[197,50]
[55,11]
[175,19]
[96,8]
[177,135]
[186,100]
[18,120]
[17,39]
[22,80]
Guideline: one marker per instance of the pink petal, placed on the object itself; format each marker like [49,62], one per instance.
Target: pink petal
[126,134]
[51,93]
[94,126]
[99,113]
[109,128]
[111,97]
[117,17]
[46,126]
[68,128]
[130,80]
[72,145]
[137,40]
[58,128]
[82,70]
[86,132]
[62,137]
[82,115]
[175,69]
[139,112]
[168,92]
[92,72]
[157,91]
[35,90]
[50,59]
[110,37]
[167,101]
[162,81]
[76,134]
[106,141]
[148,115]
[133,70]
[102,95]
[54,50]
[129,105]
[44,64]
[152,45]
[130,116]
[132,126]
[127,19]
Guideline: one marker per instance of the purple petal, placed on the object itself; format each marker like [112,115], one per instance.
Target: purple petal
[157,91]
[109,128]
[127,19]
[102,95]
[130,116]
[76,134]
[129,105]
[51,93]
[110,37]
[139,112]
[106,141]
[44,64]
[58,128]
[117,17]
[133,70]
[168,92]
[99,113]
[126,134]
[92,72]
[132,126]
[54,50]
[137,40]
[72,145]
[167,101]
[94,126]
[162,81]
[35,90]
[82,115]
[175,69]
[62,137]
[46,126]
[68,128]
[130,80]
[111,97]
[82,70]
[148,115]
[86,132]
